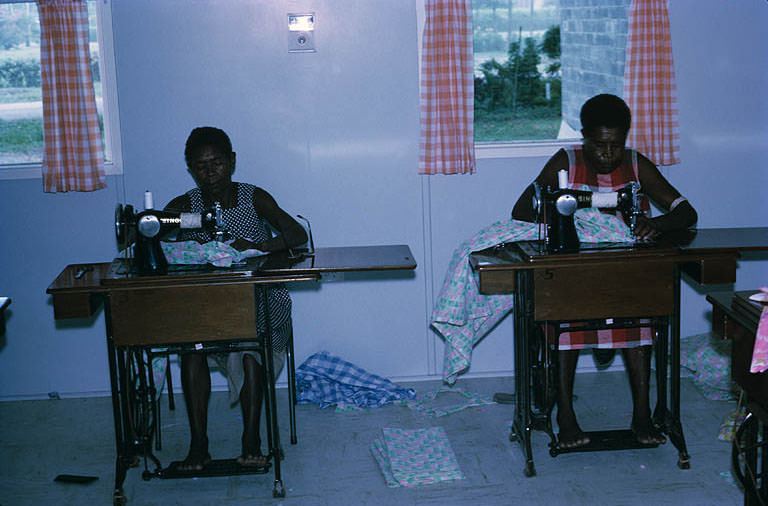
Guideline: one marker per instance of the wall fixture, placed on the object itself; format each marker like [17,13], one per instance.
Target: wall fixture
[301,33]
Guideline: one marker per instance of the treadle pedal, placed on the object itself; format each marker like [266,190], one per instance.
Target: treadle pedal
[503,398]
[606,440]
[221,467]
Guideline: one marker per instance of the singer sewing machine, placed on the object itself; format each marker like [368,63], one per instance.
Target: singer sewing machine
[554,208]
[145,229]
[604,287]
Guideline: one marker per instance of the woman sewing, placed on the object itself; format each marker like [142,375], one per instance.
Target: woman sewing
[249,212]
[601,163]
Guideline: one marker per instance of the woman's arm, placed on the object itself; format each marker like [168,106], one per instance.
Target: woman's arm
[290,231]
[680,214]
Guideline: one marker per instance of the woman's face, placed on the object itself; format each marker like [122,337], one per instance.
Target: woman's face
[604,148]
[211,168]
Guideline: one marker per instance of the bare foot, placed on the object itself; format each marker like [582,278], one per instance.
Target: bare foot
[570,435]
[647,434]
[197,458]
[256,459]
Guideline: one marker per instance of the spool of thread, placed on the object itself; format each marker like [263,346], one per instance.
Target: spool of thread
[606,200]
[148,200]
[562,179]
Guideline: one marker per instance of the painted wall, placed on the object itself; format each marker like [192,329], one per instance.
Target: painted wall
[334,136]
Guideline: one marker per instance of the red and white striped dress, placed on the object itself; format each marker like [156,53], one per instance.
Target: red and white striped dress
[582,178]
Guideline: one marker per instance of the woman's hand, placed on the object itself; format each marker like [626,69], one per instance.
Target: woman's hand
[646,228]
[244,244]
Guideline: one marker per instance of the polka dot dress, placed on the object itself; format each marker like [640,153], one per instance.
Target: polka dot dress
[243,222]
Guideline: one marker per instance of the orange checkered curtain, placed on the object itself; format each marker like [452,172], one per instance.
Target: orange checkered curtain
[649,83]
[447,89]
[73,158]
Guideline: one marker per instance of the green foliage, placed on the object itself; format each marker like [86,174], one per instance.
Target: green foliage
[550,46]
[525,124]
[20,73]
[516,82]
[21,135]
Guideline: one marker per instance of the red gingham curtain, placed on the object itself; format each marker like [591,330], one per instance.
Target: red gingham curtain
[649,83]
[73,158]
[447,89]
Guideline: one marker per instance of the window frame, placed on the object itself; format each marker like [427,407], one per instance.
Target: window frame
[499,149]
[112,137]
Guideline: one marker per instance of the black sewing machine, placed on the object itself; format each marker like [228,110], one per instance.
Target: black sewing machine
[554,208]
[145,229]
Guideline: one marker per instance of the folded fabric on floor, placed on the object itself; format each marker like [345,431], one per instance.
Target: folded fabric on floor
[415,457]
[462,315]
[330,380]
[220,254]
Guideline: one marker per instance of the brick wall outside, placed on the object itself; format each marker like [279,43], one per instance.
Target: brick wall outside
[593,44]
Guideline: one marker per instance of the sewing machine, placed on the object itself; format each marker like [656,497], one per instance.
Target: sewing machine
[554,208]
[145,229]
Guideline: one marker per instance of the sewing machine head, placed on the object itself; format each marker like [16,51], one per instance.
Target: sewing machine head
[144,230]
[554,209]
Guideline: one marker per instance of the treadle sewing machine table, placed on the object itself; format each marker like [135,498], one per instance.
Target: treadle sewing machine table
[605,286]
[736,317]
[204,308]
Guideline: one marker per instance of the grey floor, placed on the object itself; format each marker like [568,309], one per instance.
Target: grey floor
[332,464]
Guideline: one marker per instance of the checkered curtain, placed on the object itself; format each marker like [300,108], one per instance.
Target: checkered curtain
[649,83]
[73,159]
[447,89]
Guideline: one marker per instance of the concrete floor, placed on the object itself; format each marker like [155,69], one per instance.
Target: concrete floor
[332,463]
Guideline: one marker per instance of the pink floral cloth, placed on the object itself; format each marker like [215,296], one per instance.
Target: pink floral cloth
[220,254]
[462,315]
[760,352]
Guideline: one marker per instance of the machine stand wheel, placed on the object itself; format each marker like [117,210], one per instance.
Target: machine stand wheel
[118,498]
[529,470]
[684,462]
[278,490]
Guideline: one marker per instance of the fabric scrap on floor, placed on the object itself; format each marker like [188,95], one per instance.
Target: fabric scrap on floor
[707,359]
[330,380]
[415,457]
[428,405]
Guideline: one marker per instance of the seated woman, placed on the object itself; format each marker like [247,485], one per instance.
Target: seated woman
[601,163]
[247,210]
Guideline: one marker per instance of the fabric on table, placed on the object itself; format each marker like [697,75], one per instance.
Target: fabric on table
[462,315]
[219,254]
[415,457]
[760,351]
[329,380]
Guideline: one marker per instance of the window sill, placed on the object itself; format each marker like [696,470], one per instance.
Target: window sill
[34,171]
[520,149]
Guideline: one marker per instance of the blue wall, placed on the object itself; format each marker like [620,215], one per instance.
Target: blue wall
[334,136]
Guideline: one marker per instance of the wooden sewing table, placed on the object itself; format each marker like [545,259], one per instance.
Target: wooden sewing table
[605,286]
[736,317]
[198,308]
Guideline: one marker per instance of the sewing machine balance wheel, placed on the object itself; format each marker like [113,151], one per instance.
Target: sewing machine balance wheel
[123,218]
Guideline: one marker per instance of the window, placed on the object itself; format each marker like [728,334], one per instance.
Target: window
[21,128]
[536,62]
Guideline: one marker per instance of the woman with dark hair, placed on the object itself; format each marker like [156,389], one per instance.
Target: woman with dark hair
[602,163]
[247,211]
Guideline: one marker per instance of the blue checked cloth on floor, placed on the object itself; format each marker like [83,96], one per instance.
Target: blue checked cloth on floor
[329,380]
